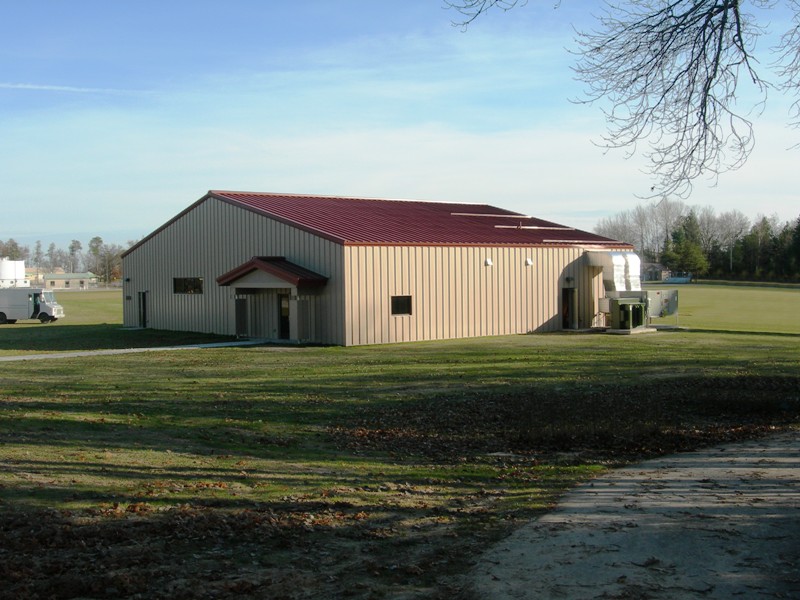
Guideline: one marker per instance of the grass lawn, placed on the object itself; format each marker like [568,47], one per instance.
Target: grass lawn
[93,321]
[362,472]
[737,308]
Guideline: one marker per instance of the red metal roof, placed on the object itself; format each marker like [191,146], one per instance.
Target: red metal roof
[279,267]
[357,221]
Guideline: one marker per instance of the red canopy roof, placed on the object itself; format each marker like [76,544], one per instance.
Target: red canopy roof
[279,267]
[402,222]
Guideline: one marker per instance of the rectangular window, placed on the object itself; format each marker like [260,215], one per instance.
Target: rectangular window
[187,285]
[401,305]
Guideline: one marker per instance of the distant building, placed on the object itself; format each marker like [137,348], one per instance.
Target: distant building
[654,272]
[69,281]
[353,271]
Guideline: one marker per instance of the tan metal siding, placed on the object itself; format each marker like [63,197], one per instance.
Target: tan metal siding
[209,240]
[455,294]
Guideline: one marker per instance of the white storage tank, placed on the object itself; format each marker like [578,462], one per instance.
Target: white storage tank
[12,273]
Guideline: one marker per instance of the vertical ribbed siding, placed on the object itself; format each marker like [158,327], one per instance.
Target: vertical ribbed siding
[455,294]
[209,240]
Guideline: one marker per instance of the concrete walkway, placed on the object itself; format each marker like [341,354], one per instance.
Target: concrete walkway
[718,523]
[79,353]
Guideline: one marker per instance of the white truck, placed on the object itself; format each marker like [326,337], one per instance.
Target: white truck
[28,303]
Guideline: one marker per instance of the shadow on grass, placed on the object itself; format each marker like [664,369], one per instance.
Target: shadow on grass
[59,338]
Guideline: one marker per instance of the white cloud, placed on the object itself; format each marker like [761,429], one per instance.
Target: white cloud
[35,87]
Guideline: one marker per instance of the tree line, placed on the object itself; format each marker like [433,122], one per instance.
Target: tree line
[699,241]
[100,258]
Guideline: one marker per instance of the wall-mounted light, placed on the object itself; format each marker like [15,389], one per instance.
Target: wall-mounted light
[488,262]
[528,262]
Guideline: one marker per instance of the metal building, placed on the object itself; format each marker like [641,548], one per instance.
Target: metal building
[353,271]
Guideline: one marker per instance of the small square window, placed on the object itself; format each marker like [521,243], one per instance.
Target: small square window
[187,285]
[401,305]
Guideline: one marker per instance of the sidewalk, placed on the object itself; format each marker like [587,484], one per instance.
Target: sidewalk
[80,353]
[718,523]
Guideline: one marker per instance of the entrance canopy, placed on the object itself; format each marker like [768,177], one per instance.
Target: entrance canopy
[272,272]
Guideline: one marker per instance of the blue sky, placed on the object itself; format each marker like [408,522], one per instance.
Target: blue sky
[116,116]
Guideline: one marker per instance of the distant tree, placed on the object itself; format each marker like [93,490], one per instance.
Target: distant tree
[668,214]
[110,262]
[618,227]
[646,231]
[781,260]
[691,259]
[95,248]
[669,257]
[794,249]
[38,257]
[75,248]
[682,251]
[757,245]
[731,227]
[13,251]
[691,228]
[708,229]
[52,257]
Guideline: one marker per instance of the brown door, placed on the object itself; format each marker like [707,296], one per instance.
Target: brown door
[283,317]
[242,324]
[569,308]
[143,310]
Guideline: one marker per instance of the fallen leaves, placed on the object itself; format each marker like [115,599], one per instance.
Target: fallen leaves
[138,550]
[601,422]
[384,534]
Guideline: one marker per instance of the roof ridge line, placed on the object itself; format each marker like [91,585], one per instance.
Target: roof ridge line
[345,197]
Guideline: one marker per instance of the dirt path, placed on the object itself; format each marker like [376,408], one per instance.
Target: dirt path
[718,523]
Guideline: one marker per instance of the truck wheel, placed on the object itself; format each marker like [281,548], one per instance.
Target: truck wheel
[3,319]
[44,317]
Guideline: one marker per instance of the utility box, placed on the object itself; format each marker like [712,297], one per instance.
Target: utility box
[627,313]
[662,303]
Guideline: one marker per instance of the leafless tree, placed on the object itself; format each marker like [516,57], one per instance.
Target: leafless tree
[619,227]
[669,72]
[667,214]
[472,9]
[647,230]
[731,227]
[789,61]
[668,75]
[645,226]
[709,229]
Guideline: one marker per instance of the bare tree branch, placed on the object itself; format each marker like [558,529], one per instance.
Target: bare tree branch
[669,74]
[472,9]
[670,71]
[789,63]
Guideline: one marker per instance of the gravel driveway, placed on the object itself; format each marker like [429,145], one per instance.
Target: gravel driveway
[717,523]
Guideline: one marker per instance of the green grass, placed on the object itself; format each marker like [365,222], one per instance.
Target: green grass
[93,321]
[737,308]
[367,472]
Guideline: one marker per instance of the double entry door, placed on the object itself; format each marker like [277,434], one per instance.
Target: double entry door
[263,314]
